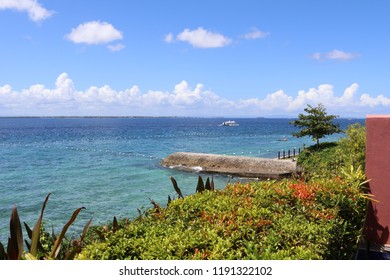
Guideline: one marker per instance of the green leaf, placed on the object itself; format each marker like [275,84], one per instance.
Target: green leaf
[200,186]
[3,255]
[53,235]
[317,123]
[84,233]
[36,231]
[15,243]
[115,225]
[77,248]
[57,244]
[29,233]
[155,204]
[176,187]
[28,229]
[28,245]
[208,185]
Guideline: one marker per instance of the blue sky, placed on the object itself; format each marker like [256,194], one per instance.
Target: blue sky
[247,58]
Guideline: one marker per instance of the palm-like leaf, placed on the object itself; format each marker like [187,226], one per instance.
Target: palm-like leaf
[57,244]
[3,255]
[200,187]
[77,248]
[36,231]
[15,242]
[176,187]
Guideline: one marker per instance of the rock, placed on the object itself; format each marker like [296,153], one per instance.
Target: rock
[249,167]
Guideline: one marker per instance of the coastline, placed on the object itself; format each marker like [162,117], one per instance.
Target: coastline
[90,162]
[247,167]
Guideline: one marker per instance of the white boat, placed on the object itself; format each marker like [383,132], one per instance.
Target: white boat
[229,123]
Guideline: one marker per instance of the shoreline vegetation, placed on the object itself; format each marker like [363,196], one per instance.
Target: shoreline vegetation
[317,214]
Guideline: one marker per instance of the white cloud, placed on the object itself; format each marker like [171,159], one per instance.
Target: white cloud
[380,100]
[65,99]
[255,34]
[116,48]
[63,91]
[316,56]
[93,33]
[169,38]
[348,97]
[35,10]
[202,38]
[335,55]
[340,55]
[6,89]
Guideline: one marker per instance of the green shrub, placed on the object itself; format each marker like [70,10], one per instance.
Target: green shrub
[352,148]
[320,161]
[330,159]
[258,220]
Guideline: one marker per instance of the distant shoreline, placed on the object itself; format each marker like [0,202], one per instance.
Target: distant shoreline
[89,117]
[151,117]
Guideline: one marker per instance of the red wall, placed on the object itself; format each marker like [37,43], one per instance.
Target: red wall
[378,171]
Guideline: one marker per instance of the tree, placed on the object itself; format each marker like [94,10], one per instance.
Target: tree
[317,123]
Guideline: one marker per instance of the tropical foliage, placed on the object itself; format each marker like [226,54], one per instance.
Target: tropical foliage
[330,159]
[316,123]
[352,148]
[42,245]
[288,219]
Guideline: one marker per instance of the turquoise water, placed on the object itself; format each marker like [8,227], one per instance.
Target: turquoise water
[111,165]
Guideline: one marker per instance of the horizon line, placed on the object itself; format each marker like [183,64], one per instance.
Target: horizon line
[158,117]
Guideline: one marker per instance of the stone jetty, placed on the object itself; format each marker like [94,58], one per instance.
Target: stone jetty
[240,166]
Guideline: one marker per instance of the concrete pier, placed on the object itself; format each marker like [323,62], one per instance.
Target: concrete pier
[248,167]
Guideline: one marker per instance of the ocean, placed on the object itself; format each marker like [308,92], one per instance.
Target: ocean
[111,166]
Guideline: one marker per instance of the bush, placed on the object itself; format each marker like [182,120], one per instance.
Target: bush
[258,220]
[330,159]
[352,148]
[320,161]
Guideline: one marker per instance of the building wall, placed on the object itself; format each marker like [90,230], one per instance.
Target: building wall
[378,172]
